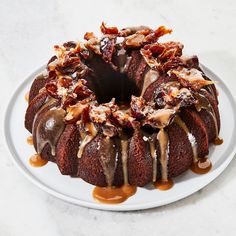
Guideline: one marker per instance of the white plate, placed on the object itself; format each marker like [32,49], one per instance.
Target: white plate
[79,192]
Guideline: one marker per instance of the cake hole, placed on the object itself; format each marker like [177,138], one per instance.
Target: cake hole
[109,83]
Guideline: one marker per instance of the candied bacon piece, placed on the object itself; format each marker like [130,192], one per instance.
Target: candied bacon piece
[185,98]
[123,118]
[69,65]
[155,48]
[172,63]
[132,30]
[60,52]
[53,58]
[137,106]
[150,60]
[89,35]
[108,30]
[81,90]
[156,34]
[65,81]
[192,78]
[196,85]
[158,53]
[70,44]
[74,112]
[85,115]
[162,30]
[69,100]
[51,89]
[160,118]
[135,40]
[52,74]
[171,94]
[172,49]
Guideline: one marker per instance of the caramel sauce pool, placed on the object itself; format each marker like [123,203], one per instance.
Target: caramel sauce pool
[163,184]
[37,161]
[202,166]
[29,140]
[218,141]
[113,195]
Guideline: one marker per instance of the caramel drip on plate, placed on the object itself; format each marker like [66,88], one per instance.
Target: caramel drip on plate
[37,161]
[124,157]
[49,129]
[150,77]
[163,139]
[27,97]
[87,137]
[29,140]
[218,141]
[205,104]
[202,166]
[164,184]
[191,138]
[113,195]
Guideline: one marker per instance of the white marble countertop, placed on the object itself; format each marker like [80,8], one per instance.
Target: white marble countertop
[28,29]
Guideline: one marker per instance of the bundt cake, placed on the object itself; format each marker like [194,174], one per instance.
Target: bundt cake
[122,111]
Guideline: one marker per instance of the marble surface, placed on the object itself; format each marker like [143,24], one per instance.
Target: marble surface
[28,29]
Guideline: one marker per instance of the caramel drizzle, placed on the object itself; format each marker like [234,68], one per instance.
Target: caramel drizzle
[199,165]
[29,140]
[123,60]
[209,88]
[87,137]
[190,136]
[49,129]
[150,77]
[205,104]
[108,157]
[124,157]
[154,158]
[163,139]
[49,101]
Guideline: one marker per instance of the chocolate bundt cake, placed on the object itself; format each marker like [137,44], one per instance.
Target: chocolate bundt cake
[123,110]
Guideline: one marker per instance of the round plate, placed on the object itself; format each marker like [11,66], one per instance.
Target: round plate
[77,191]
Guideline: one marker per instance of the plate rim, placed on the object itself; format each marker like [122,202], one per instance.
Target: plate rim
[107,207]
